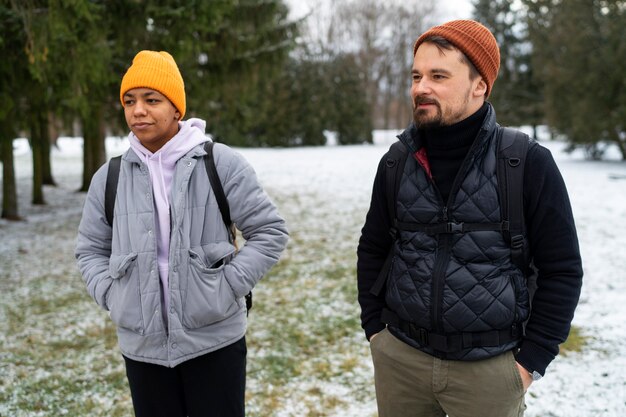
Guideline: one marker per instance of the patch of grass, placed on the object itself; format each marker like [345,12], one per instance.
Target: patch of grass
[15,317]
[49,303]
[348,364]
[53,360]
[575,342]
[55,394]
[304,339]
[277,368]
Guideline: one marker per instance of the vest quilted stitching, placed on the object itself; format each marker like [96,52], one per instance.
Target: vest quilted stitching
[482,289]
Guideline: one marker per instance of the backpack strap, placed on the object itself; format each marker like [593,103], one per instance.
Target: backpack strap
[218,190]
[452,342]
[512,150]
[396,159]
[451,227]
[222,202]
[110,189]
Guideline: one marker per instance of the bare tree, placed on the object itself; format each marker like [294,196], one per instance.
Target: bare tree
[409,20]
[381,35]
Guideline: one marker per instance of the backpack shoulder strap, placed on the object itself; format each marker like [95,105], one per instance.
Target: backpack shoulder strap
[512,150]
[222,202]
[216,185]
[395,160]
[110,189]
[218,189]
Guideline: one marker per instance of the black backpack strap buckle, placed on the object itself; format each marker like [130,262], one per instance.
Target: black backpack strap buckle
[517,242]
[454,227]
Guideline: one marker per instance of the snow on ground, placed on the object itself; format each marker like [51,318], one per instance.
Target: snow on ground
[333,185]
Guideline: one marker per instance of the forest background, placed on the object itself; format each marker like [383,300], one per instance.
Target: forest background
[263,78]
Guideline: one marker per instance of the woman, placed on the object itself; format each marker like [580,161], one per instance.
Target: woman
[165,268]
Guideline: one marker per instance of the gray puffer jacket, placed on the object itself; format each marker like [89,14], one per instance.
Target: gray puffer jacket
[207,280]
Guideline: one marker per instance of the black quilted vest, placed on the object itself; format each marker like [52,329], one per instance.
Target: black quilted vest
[455,283]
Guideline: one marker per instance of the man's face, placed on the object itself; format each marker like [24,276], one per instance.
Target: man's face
[151,117]
[442,91]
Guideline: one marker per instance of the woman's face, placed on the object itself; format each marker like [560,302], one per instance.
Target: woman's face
[151,117]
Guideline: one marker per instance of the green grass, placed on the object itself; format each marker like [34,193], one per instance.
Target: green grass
[575,342]
[57,350]
[304,338]
[306,350]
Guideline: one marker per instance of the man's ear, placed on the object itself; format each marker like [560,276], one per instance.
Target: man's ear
[480,89]
[177,115]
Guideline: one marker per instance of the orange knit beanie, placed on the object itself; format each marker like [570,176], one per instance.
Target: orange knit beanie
[157,71]
[475,41]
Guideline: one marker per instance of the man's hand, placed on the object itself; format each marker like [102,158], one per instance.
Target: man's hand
[527,378]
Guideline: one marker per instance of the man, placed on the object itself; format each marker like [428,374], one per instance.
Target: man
[445,329]
[165,268]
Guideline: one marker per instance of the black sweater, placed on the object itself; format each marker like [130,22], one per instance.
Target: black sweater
[551,233]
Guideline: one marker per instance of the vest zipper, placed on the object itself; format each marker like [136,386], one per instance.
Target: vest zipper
[439,276]
[444,244]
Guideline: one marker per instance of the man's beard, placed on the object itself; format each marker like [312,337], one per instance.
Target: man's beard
[421,118]
[453,115]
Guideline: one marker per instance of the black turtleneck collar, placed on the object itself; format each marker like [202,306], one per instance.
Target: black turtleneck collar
[447,146]
[458,135]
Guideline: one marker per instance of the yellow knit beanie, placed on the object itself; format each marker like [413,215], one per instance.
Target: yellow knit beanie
[475,41]
[157,71]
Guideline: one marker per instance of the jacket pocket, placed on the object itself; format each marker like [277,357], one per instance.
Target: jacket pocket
[119,264]
[208,297]
[124,296]
[212,255]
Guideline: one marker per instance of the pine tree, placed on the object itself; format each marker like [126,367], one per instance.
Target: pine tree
[349,111]
[583,69]
[516,94]
[231,66]
[12,68]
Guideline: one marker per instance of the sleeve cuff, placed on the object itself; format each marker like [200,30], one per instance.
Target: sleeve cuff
[533,357]
[373,328]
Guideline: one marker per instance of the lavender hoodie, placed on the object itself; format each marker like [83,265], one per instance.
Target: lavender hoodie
[161,167]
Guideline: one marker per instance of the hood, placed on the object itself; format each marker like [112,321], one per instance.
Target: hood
[190,134]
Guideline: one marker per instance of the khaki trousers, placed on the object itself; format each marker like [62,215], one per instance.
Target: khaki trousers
[411,383]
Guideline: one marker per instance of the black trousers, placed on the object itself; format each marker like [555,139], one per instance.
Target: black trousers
[212,385]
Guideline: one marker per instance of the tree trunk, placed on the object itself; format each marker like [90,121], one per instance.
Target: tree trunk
[405,111]
[36,142]
[94,154]
[46,146]
[9,187]
[388,97]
